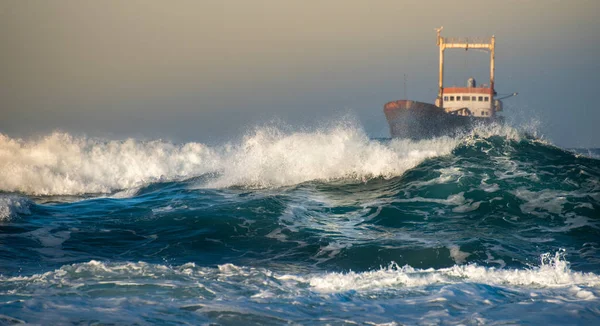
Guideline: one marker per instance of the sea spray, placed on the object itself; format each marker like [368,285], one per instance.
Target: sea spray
[61,164]
[268,158]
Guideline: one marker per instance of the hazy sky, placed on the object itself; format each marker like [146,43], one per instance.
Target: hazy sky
[208,71]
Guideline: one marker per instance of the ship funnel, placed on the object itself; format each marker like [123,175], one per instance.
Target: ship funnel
[471,82]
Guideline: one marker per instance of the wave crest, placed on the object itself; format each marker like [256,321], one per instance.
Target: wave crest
[553,272]
[271,158]
[62,164]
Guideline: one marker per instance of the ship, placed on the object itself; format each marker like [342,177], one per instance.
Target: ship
[456,109]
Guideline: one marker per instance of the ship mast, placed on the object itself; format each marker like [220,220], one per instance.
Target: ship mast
[487,44]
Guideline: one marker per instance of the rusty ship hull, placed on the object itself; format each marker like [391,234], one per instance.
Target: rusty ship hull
[418,120]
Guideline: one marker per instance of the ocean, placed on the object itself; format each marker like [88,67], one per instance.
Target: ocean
[312,227]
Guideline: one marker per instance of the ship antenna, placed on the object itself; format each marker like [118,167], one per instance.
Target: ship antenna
[438,31]
[405,87]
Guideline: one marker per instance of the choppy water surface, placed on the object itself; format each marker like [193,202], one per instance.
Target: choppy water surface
[326,227]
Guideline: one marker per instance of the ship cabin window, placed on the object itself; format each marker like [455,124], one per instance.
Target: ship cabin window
[445,98]
[466,98]
[487,99]
[480,98]
[458,98]
[473,98]
[451,98]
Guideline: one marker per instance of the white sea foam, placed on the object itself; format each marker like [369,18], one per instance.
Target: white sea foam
[118,290]
[503,130]
[552,273]
[546,201]
[458,256]
[11,205]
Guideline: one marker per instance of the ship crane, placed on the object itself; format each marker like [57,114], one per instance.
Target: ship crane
[487,44]
[507,96]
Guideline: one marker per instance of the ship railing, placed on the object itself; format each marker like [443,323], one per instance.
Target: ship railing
[468,40]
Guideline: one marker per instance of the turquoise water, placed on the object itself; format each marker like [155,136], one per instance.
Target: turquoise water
[323,227]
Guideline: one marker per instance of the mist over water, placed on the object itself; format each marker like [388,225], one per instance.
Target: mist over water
[319,226]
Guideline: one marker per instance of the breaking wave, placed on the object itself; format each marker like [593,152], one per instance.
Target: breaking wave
[62,164]
[553,272]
